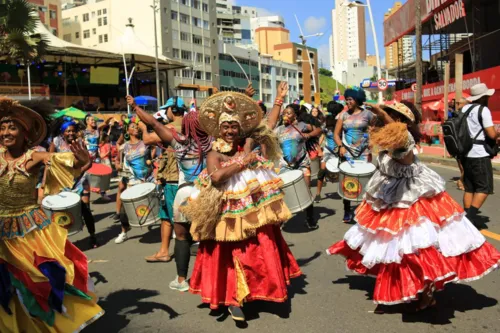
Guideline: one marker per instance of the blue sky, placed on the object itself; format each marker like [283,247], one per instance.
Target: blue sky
[315,16]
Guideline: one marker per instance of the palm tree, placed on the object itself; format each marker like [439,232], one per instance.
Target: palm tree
[18,38]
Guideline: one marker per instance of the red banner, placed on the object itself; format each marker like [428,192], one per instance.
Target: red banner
[435,91]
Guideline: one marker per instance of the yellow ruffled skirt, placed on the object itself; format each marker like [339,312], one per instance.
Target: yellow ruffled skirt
[45,284]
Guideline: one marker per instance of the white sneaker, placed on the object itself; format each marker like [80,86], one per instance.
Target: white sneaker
[122,237]
[179,286]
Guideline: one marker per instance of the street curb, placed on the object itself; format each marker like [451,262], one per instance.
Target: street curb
[449,162]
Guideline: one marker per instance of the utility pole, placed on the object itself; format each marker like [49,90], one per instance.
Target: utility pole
[418,64]
[158,91]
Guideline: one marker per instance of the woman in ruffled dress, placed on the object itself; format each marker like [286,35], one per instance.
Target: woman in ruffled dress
[410,234]
[242,255]
[44,279]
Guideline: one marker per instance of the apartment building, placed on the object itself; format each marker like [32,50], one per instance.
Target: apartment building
[50,14]
[186,32]
[401,51]
[234,23]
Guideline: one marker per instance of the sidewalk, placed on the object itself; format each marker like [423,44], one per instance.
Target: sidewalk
[435,154]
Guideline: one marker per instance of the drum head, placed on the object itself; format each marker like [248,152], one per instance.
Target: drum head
[61,201]
[138,191]
[332,164]
[291,176]
[98,169]
[357,167]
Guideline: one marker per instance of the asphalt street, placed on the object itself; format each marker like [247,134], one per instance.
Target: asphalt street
[136,297]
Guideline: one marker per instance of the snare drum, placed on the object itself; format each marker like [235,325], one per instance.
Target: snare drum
[354,176]
[142,204]
[315,167]
[297,194]
[332,165]
[64,209]
[100,177]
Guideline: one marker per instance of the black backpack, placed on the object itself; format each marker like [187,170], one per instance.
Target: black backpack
[457,138]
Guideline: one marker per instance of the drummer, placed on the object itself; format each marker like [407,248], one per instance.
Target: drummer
[137,156]
[91,135]
[168,174]
[292,136]
[65,132]
[351,132]
[330,150]
[191,148]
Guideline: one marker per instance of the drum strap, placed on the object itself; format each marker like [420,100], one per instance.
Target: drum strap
[355,155]
[296,165]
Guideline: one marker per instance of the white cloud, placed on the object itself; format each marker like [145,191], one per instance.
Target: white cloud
[313,24]
[324,56]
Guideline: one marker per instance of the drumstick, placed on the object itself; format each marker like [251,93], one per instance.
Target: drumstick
[44,179]
[237,62]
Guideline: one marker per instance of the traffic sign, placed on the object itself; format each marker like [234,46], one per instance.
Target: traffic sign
[382,84]
[414,87]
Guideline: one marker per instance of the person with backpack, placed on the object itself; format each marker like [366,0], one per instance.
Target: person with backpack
[477,153]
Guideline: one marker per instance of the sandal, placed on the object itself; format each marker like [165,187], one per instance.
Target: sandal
[156,258]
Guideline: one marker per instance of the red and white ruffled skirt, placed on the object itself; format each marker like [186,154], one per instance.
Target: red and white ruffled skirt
[426,245]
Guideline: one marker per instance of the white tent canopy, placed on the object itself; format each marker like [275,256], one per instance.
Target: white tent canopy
[105,55]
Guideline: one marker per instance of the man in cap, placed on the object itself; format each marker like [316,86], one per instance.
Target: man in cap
[478,171]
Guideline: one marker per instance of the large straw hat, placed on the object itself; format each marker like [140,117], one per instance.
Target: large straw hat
[32,122]
[400,108]
[229,106]
[479,90]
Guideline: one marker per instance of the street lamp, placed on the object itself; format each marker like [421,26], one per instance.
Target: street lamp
[351,4]
[304,40]
[155,10]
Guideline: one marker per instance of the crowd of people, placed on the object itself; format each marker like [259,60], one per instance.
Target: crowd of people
[218,170]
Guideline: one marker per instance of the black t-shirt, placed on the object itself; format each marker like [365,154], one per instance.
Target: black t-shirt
[115,133]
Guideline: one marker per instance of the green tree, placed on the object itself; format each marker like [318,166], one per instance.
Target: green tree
[325,72]
[18,40]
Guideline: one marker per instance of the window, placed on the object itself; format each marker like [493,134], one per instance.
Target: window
[185,2]
[99,12]
[207,60]
[197,75]
[208,76]
[85,17]
[196,22]
[186,73]
[76,18]
[67,37]
[184,36]
[94,31]
[105,38]
[99,22]
[104,11]
[175,34]
[206,25]
[186,55]
[100,39]
[53,14]
[105,20]
[175,53]
[206,41]
[93,14]
[199,58]
[197,39]
[77,35]
[177,73]
[174,15]
[86,34]
[204,7]
[195,4]
[184,18]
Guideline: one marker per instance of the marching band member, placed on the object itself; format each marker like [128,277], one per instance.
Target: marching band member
[191,148]
[66,133]
[136,155]
[44,279]
[237,209]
